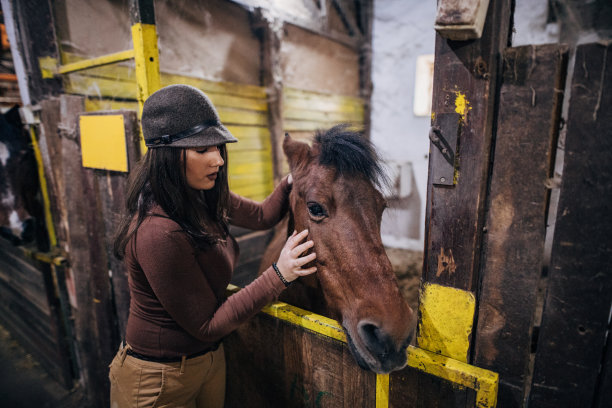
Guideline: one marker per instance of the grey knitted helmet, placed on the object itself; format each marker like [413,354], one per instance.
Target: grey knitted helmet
[182,116]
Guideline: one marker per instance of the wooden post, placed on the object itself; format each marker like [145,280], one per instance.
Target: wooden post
[112,192]
[146,53]
[270,30]
[577,305]
[465,76]
[31,32]
[513,247]
[365,63]
[94,319]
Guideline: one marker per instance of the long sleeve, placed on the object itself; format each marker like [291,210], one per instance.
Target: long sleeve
[173,284]
[258,216]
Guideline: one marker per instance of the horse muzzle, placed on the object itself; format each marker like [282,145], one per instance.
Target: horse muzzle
[375,350]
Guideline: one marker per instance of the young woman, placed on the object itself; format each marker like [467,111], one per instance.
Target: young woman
[180,255]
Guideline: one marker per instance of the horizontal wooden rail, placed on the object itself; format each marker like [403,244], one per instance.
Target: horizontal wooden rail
[484,382]
[95,62]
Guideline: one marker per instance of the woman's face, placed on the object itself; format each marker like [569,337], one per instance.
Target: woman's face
[203,165]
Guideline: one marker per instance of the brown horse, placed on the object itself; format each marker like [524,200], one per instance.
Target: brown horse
[334,196]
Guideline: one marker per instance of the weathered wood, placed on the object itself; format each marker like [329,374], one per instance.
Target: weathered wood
[513,247]
[112,190]
[33,37]
[270,31]
[465,78]
[366,11]
[94,325]
[273,363]
[579,293]
[30,311]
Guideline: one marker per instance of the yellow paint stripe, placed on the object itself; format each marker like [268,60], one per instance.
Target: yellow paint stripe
[146,59]
[96,62]
[447,317]
[484,382]
[43,189]
[382,390]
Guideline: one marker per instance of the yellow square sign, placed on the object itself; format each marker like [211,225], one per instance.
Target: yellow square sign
[103,142]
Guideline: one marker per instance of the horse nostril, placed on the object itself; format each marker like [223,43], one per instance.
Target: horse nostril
[375,339]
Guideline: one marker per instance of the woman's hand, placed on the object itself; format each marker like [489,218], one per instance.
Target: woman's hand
[290,263]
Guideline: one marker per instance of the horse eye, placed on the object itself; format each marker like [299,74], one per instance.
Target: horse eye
[316,210]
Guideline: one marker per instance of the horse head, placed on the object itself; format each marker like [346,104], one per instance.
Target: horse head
[335,197]
[18,182]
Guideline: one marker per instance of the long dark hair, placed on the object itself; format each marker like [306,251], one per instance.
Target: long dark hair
[160,179]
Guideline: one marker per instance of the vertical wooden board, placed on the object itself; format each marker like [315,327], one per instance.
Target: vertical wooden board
[51,151]
[112,190]
[94,321]
[413,388]
[465,76]
[272,363]
[513,250]
[577,304]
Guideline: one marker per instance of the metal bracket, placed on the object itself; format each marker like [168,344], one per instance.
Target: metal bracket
[443,135]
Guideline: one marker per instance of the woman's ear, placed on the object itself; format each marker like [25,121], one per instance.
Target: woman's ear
[298,153]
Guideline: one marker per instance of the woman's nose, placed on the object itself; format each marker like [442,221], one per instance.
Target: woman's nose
[219,161]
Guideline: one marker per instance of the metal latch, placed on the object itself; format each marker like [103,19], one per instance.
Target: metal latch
[443,135]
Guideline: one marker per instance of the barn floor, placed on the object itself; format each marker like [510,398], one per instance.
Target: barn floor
[407,266]
[25,384]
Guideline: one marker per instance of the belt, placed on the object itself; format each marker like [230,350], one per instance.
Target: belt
[139,356]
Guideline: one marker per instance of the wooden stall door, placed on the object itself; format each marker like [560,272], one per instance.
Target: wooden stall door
[573,361]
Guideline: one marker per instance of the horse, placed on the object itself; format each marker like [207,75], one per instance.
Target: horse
[19,204]
[336,196]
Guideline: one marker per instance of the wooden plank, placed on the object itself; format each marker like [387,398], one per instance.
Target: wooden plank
[117,88]
[465,78]
[305,369]
[579,294]
[112,189]
[271,31]
[513,255]
[94,325]
[309,100]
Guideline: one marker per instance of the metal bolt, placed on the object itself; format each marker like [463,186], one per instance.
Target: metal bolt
[442,179]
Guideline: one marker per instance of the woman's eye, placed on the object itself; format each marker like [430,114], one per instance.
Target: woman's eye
[316,210]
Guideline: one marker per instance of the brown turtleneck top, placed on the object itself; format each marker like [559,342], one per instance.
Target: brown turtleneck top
[178,304]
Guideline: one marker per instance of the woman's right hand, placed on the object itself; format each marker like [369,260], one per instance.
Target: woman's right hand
[290,263]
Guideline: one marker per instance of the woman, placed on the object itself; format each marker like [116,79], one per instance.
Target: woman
[179,256]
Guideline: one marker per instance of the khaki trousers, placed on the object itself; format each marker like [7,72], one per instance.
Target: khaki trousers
[197,382]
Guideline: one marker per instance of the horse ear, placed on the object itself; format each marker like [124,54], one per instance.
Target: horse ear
[298,153]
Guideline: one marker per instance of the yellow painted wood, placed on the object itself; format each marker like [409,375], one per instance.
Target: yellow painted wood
[382,390]
[96,62]
[48,67]
[308,100]
[103,143]
[484,382]
[146,61]
[307,126]
[146,58]
[318,116]
[44,189]
[447,317]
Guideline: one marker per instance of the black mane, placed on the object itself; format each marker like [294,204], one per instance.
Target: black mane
[350,153]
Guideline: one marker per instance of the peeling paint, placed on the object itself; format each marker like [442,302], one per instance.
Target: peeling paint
[462,105]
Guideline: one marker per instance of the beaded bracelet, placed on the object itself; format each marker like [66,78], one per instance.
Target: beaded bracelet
[280,275]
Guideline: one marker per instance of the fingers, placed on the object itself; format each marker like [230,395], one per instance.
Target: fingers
[305,259]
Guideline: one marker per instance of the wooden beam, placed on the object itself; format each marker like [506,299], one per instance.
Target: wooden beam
[513,247]
[571,345]
[31,32]
[465,82]
[270,31]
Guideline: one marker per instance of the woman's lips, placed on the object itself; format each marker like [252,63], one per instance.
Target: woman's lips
[212,176]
